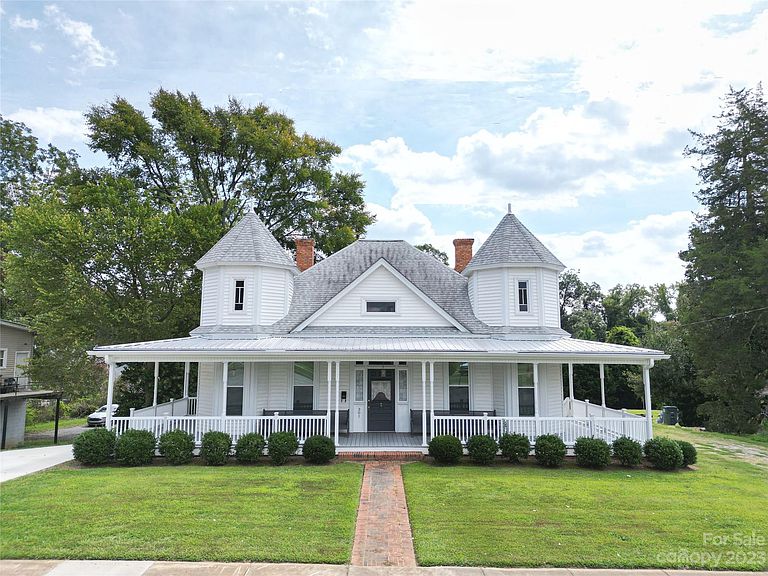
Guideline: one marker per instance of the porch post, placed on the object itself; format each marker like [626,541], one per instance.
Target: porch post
[224,381]
[186,379]
[432,398]
[423,403]
[110,394]
[602,386]
[647,390]
[154,396]
[328,412]
[536,395]
[336,424]
[570,385]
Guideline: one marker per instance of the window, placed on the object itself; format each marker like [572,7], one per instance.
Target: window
[3,357]
[458,386]
[303,385]
[526,406]
[359,385]
[235,373]
[239,294]
[522,295]
[380,306]
[402,385]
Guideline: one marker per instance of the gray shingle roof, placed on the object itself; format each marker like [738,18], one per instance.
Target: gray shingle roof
[512,243]
[248,241]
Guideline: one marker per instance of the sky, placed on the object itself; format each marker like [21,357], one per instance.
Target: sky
[575,113]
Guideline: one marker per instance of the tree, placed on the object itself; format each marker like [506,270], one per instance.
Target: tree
[438,254]
[725,290]
[581,307]
[237,158]
[623,384]
[631,306]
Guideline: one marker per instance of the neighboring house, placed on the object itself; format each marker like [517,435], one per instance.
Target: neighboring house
[381,337]
[16,342]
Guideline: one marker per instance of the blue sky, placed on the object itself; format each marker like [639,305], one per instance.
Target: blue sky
[576,113]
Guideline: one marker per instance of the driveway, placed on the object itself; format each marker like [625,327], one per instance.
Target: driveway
[15,463]
[64,433]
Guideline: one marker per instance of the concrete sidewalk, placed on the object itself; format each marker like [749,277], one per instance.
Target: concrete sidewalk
[15,463]
[125,568]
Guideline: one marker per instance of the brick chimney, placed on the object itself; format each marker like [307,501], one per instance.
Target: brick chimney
[305,253]
[463,247]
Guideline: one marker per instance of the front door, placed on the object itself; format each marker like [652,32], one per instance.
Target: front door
[381,401]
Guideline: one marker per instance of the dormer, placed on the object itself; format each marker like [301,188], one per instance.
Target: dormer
[513,278]
[247,277]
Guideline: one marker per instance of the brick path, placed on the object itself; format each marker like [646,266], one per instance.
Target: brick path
[383,531]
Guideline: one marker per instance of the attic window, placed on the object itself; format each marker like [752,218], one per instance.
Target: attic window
[380,306]
[239,294]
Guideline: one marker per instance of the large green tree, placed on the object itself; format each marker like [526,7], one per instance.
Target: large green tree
[725,292]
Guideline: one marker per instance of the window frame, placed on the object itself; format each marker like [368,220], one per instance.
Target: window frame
[531,387]
[365,301]
[3,358]
[312,385]
[467,385]
[518,299]
[230,386]
[235,302]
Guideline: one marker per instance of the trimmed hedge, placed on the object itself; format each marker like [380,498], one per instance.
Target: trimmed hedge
[515,447]
[249,448]
[177,447]
[627,451]
[215,447]
[482,449]
[592,452]
[94,447]
[550,450]
[135,447]
[446,449]
[281,446]
[689,452]
[318,449]
[663,453]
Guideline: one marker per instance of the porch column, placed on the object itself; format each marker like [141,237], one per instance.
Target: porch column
[432,399]
[186,380]
[423,403]
[602,386]
[224,381]
[570,386]
[336,424]
[110,393]
[328,412]
[647,390]
[536,412]
[154,395]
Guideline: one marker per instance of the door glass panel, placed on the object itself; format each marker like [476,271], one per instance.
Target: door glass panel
[381,391]
[402,386]
[302,397]
[359,385]
[525,396]
[234,400]
[459,398]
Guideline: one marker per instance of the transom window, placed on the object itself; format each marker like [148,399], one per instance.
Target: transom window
[235,373]
[380,306]
[525,400]
[239,294]
[522,295]
[458,386]
[303,385]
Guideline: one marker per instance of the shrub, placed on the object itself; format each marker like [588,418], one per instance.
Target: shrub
[628,452]
[135,447]
[214,448]
[550,450]
[482,449]
[592,452]
[94,447]
[515,447]
[177,446]
[318,449]
[689,452]
[446,449]
[249,448]
[282,445]
[663,453]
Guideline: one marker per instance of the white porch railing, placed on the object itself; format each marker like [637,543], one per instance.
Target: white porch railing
[567,428]
[585,409]
[235,426]
[180,407]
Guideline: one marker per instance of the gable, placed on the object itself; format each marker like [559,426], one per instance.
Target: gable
[381,283]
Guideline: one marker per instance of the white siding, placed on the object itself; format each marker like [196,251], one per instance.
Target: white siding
[415,385]
[207,390]
[274,284]
[489,296]
[279,378]
[516,317]
[210,298]
[481,386]
[552,399]
[227,278]
[499,379]
[550,290]
[260,373]
[13,340]
[380,285]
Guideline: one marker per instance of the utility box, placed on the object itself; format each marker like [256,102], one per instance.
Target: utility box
[670,415]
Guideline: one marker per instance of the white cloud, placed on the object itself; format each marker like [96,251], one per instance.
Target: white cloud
[51,124]
[28,24]
[280,56]
[37,47]
[91,52]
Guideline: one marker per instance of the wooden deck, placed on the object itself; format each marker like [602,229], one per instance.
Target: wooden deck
[379,441]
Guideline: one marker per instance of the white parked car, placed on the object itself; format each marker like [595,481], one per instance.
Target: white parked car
[99,418]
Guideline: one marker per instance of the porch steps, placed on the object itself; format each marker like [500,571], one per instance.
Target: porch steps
[388,455]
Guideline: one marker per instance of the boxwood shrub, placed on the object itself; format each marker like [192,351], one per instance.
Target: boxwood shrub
[550,450]
[663,453]
[249,448]
[592,452]
[446,449]
[515,447]
[689,452]
[482,449]
[215,447]
[177,446]
[135,447]
[281,446]
[627,451]
[94,447]
[318,449]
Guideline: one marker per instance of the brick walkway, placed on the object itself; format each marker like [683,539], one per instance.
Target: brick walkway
[383,531]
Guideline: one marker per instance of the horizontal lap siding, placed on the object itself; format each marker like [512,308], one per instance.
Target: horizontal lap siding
[274,283]
[499,379]
[551,298]
[279,379]
[481,386]
[517,318]
[553,386]
[210,298]
[13,340]
[206,389]
[489,296]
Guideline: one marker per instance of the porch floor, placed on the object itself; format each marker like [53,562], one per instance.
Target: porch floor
[380,441]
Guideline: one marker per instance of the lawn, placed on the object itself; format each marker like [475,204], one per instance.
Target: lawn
[529,516]
[294,513]
[47,426]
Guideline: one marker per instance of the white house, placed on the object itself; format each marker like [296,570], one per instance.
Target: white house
[380,345]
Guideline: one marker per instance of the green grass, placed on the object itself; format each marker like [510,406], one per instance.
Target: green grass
[530,516]
[46,426]
[294,513]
